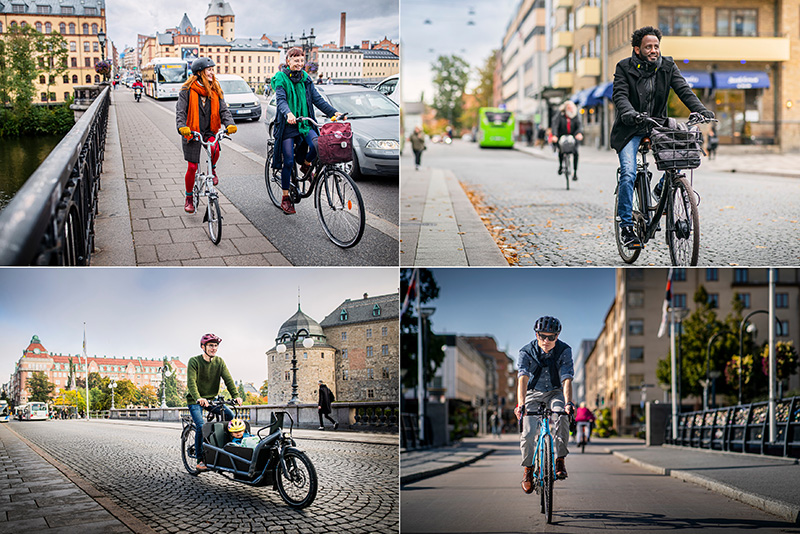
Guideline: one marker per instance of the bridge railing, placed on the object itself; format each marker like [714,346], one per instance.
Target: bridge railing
[743,428]
[50,221]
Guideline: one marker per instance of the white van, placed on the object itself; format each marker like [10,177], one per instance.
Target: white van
[242,101]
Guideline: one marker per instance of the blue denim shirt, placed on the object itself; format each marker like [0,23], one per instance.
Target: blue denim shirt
[532,355]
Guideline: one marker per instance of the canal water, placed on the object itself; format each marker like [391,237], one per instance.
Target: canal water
[19,158]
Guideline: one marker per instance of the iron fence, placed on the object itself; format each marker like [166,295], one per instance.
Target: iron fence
[742,428]
[50,221]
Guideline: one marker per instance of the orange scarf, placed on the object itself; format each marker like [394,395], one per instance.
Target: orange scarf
[193,116]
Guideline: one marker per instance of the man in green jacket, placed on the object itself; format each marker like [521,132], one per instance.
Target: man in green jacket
[202,383]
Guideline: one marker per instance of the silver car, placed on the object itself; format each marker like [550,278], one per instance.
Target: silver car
[375,120]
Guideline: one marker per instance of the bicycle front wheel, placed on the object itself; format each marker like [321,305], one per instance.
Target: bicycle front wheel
[188,452]
[549,477]
[297,484]
[683,224]
[214,220]
[567,168]
[340,208]
[272,177]
[639,226]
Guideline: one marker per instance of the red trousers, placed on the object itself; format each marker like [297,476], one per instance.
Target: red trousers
[192,170]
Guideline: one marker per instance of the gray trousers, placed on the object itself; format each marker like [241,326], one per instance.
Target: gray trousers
[530,424]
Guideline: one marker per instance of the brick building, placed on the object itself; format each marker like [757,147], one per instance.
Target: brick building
[56,366]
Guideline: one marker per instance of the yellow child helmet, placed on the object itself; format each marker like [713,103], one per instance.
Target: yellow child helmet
[236,425]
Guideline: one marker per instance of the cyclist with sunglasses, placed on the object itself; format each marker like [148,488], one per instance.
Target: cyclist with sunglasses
[545,375]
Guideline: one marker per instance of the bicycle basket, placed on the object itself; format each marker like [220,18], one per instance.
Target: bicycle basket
[335,143]
[567,143]
[677,148]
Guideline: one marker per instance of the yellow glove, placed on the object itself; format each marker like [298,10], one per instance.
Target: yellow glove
[232,129]
[185,131]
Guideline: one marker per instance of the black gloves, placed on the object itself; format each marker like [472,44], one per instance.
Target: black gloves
[707,113]
[631,117]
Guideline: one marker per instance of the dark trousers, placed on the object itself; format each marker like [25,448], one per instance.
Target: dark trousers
[327,416]
[574,161]
[417,157]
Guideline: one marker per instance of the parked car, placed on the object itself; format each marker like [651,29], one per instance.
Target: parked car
[390,87]
[375,120]
[241,99]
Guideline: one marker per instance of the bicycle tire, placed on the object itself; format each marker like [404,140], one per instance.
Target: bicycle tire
[683,224]
[567,164]
[214,220]
[272,179]
[583,446]
[340,208]
[196,190]
[549,477]
[631,255]
[188,451]
[298,487]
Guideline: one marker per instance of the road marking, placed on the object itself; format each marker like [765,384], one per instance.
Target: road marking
[382,225]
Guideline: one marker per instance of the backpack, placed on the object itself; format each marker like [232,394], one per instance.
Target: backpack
[335,143]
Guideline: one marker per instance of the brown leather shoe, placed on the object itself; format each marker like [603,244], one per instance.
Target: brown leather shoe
[527,480]
[201,467]
[304,168]
[561,469]
[287,206]
[188,207]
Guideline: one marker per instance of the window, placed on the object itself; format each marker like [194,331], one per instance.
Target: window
[322,355]
[62,28]
[344,336]
[73,46]
[343,315]
[635,381]
[369,351]
[85,28]
[95,47]
[305,355]
[370,374]
[43,9]
[745,299]
[713,300]
[38,27]
[67,10]
[384,331]
[87,63]
[385,350]
[66,95]
[345,374]
[385,372]
[679,300]
[740,276]
[18,8]
[636,327]
[286,355]
[344,354]
[74,63]
[679,275]
[376,311]
[66,78]
[783,328]
[737,22]
[683,21]
[88,76]
[636,354]
[369,333]
[94,29]
[89,11]
[370,393]
[636,299]
[781,300]
[44,97]
[72,27]
[86,46]
[41,79]
[712,275]
[287,375]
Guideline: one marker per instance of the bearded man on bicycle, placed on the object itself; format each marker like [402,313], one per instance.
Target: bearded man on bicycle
[202,383]
[641,89]
[568,123]
[545,375]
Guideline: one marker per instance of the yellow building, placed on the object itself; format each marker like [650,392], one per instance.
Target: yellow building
[79,21]
[379,63]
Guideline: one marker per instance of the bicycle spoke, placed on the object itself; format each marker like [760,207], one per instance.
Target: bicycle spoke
[340,208]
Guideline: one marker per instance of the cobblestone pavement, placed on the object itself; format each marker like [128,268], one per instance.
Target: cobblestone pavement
[140,469]
[745,219]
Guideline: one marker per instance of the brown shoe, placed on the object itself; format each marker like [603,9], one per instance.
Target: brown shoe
[201,467]
[304,168]
[188,207]
[287,206]
[561,469]
[527,480]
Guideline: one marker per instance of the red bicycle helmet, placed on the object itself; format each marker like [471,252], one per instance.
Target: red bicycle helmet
[210,338]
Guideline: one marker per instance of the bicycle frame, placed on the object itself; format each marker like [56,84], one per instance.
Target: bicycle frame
[643,173]
[207,178]
[544,433]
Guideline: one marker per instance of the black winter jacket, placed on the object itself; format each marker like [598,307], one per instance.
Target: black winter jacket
[635,92]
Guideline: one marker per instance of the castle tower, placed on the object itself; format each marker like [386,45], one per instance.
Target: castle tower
[220,20]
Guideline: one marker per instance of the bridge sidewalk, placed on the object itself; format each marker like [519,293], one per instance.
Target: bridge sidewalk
[39,494]
[153,171]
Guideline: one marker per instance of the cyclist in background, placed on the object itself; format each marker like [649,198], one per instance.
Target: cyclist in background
[584,417]
[568,123]
[545,375]
[641,88]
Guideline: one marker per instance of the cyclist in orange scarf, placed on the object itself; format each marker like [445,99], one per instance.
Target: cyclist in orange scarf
[201,108]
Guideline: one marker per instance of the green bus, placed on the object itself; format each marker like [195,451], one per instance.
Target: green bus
[496,128]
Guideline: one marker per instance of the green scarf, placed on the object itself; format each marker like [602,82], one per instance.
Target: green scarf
[295,97]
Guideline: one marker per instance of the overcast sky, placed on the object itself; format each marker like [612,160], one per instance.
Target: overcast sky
[505,303]
[153,312]
[366,19]
[449,32]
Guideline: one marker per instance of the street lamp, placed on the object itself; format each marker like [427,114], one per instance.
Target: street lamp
[308,342]
[112,386]
[708,369]
[751,328]
[166,372]
[288,43]
[101,38]
[307,42]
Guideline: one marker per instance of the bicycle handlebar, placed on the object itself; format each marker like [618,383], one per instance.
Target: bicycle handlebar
[221,134]
[342,116]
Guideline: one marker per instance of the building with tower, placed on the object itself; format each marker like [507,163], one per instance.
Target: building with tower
[220,20]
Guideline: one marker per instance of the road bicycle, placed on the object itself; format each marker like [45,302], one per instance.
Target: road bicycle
[675,150]
[340,208]
[568,145]
[544,459]
[275,461]
[204,187]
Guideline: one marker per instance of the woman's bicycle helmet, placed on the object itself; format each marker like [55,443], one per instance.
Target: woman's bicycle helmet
[210,338]
[236,425]
[548,324]
[201,63]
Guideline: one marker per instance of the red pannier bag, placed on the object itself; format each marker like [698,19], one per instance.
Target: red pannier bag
[335,143]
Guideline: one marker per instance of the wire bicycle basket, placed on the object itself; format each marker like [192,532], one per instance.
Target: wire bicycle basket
[677,148]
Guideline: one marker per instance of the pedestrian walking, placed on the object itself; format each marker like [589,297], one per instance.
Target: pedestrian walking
[417,140]
[496,424]
[324,406]
[529,136]
[713,142]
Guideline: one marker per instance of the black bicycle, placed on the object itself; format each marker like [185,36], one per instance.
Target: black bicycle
[676,149]
[275,461]
[567,145]
[340,208]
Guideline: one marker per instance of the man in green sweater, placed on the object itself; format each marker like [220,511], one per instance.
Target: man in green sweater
[202,383]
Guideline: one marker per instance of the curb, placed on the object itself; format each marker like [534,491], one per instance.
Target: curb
[782,509]
[415,477]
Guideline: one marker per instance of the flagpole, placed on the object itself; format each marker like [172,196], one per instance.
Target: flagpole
[420,367]
[673,374]
[86,361]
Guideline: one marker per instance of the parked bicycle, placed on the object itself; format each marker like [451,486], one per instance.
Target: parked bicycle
[338,201]
[275,461]
[675,150]
[204,187]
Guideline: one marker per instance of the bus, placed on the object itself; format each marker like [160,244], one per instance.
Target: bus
[5,412]
[164,76]
[33,411]
[495,128]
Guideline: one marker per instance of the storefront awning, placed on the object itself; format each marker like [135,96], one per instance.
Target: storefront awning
[697,79]
[581,97]
[740,79]
[604,90]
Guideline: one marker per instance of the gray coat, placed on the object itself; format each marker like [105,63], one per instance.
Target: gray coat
[191,149]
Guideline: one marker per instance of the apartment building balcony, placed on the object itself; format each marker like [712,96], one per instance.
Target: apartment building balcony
[563,80]
[588,66]
[562,3]
[713,48]
[587,16]
[563,39]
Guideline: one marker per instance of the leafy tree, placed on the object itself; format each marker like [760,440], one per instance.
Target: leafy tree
[432,344]
[253,399]
[605,424]
[52,55]
[95,381]
[264,391]
[71,398]
[147,395]
[39,387]
[451,74]
[483,93]
[241,390]
[786,363]
[175,392]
